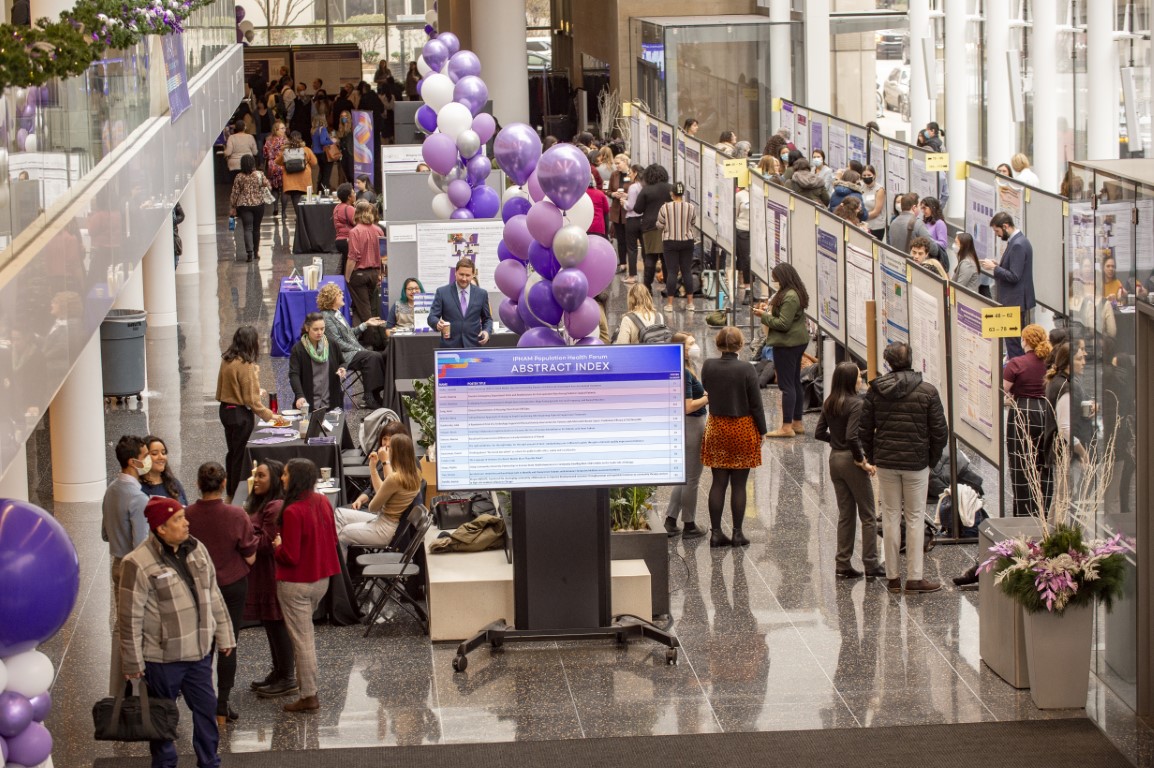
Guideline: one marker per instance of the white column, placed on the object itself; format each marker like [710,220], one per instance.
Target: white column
[14,483]
[204,182]
[131,295]
[999,120]
[958,96]
[211,341]
[1102,96]
[817,55]
[50,8]
[76,421]
[189,236]
[921,91]
[499,41]
[162,367]
[1046,160]
[780,58]
[160,284]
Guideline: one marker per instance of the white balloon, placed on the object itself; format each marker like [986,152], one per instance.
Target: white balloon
[423,68]
[442,206]
[514,191]
[3,676]
[30,143]
[581,213]
[453,119]
[437,92]
[431,17]
[29,673]
[433,183]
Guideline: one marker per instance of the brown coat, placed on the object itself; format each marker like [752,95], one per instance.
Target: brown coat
[616,209]
[298,182]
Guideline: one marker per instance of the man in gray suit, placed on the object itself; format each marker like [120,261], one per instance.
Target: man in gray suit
[461,310]
[907,227]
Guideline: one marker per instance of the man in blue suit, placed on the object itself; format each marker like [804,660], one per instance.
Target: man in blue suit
[1014,276]
[461,310]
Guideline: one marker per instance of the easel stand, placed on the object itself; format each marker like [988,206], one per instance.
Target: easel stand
[561,581]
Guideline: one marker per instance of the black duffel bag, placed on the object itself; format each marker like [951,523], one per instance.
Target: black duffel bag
[135,718]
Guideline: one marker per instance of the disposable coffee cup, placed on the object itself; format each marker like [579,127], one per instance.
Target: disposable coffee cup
[303,426]
[1087,409]
[326,474]
[445,330]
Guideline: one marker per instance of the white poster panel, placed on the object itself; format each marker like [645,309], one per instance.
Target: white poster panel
[726,212]
[758,245]
[928,331]
[441,244]
[635,135]
[709,190]
[692,176]
[837,146]
[922,181]
[976,392]
[857,145]
[777,241]
[665,147]
[678,173]
[803,248]
[829,303]
[801,130]
[787,118]
[817,133]
[979,211]
[400,158]
[859,289]
[653,147]
[877,159]
[897,166]
[894,304]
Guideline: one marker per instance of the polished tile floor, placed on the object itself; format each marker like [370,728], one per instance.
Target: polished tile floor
[771,640]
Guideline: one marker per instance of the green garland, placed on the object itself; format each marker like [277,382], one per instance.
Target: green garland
[66,48]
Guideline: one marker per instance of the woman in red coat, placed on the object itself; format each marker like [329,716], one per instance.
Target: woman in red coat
[306,556]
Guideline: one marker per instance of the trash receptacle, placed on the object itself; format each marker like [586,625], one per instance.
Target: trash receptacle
[1001,634]
[122,352]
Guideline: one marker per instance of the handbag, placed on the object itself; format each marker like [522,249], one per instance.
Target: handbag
[266,195]
[333,152]
[135,718]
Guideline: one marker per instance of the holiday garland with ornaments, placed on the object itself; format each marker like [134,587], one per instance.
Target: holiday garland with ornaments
[65,48]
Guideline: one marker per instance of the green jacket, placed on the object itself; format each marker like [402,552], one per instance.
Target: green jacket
[787,327]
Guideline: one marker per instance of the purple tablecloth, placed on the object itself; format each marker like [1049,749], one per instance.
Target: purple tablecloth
[291,308]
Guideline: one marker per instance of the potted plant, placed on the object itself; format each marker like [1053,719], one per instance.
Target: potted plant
[638,536]
[421,408]
[1059,577]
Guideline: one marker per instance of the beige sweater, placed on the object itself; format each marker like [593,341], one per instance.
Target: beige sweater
[239,384]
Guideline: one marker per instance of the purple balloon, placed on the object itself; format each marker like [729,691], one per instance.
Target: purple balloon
[32,746]
[543,260]
[510,277]
[420,85]
[462,64]
[461,213]
[527,317]
[517,149]
[544,219]
[570,288]
[440,152]
[15,713]
[507,311]
[485,126]
[516,236]
[450,41]
[427,118]
[40,573]
[471,91]
[515,206]
[3,751]
[504,254]
[459,192]
[41,706]
[430,29]
[21,137]
[533,187]
[590,341]
[599,265]
[563,173]
[541,337]
[542,304]
[436,54]
[485,202]
[584,320]
[477,169]
[239,11]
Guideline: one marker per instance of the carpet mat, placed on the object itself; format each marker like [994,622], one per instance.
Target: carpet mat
[1029,744]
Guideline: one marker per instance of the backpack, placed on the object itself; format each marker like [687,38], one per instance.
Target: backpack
[657,333]
[294,160]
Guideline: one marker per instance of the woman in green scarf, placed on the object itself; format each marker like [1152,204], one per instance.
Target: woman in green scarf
[316,367]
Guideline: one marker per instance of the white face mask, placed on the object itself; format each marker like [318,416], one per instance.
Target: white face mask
[145,465]
[817,161]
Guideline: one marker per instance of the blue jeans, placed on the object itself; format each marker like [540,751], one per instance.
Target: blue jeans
[193,680]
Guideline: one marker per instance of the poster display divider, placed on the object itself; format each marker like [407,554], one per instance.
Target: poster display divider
[860,259]
[830,275]
[803,248]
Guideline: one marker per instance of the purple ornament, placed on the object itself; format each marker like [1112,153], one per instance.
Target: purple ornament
[517,149]
[485,126]
[32,746]
[427,118]
[440,152]
[472,92]
[485,203]
[543,260]
[516,236]
[462,64]
[459,192]
[584,320]
[570,288]
[544,219]
[449,40]
[541,337]
[41,706]
[15,713]
[563,173]
[40,573]
[590,341]
[515,206]
[510,277]
[599,264]
[477,169]
[461,213]
[436,54]
[507,311]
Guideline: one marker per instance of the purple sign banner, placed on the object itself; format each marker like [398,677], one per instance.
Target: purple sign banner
[176,79]
[363,160]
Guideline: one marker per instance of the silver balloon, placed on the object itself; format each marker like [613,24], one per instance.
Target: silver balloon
[458,172]
[437,182]
[570,245]
[468,143]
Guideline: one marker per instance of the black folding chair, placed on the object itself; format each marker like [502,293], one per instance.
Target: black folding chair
[385,575]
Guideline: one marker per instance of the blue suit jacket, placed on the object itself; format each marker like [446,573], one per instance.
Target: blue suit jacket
[1014,277]
[463,329]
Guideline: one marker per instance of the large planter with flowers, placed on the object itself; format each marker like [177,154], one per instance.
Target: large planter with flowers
[1058,649]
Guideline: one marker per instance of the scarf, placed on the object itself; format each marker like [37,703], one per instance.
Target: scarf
[318,354]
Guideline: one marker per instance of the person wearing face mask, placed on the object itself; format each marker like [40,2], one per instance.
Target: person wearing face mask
[874,199]
[297,116]
[1013,275]
[823,171]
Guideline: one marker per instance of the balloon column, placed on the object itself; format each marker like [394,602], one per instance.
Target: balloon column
[550,268]
[41,575]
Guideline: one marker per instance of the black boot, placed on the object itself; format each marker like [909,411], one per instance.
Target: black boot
[281,687]
[717,538]
[269,679]
[739,539]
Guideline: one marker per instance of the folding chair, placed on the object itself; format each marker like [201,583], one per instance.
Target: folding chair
[352,379]
[386,580]
[394,548]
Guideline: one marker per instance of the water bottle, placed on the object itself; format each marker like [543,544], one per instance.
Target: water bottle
[272,403]
[231,223]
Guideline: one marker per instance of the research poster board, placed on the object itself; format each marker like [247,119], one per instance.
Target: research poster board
[836,154]
[758,245]
[709,191]
[858,137]
[653,147]
[928,329]
[333,65]
[922,181]
[877,158]
[678,171]
[897,170]
[692,177]
[787,118]
[892,294]
[980,208]
[725,211]
[665,147]
[635,135]
[975,390]
[400,158]
[1045,226]
[803,249]
[801,130]
[778,204]
[859,288]
[817,133]
[441,244]
[830,275]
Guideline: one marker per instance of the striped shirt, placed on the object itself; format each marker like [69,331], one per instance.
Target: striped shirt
[676,220]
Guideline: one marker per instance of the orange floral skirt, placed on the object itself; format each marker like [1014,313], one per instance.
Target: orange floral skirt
[731,442]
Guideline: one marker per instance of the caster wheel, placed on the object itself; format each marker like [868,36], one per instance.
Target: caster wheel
[460,663]
[671,657]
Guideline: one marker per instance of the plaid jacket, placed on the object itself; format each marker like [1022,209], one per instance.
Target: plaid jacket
[159,620]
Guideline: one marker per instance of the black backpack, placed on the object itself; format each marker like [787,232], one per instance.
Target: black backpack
[294,160]
[657,333]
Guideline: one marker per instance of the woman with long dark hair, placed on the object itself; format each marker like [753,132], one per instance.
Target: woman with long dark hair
[850,473]
[733,433]
[306,557]
[401,313]
[655,193]
[160,480]
[246,202]
[241,399]
[396,488]
[316,367]
[785,331]
[968,272]
[935,223]
[263,506]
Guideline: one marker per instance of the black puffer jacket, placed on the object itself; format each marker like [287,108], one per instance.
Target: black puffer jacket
[903,424]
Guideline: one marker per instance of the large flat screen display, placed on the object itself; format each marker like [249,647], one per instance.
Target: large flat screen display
[560,417]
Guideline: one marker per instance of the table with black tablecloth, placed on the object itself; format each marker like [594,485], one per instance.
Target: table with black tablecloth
[410,356]
[326,455]
[315,231]
[291,307]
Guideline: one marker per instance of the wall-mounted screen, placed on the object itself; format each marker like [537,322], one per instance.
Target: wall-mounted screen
[560,417]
